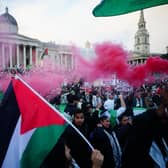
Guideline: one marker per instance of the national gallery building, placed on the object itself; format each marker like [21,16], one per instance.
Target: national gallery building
[17,49]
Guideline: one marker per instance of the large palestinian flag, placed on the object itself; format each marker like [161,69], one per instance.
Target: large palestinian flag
[29,127]
[119,7]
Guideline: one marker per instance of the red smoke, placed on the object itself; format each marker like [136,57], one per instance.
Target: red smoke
[156,64]
[110,59]
[113,59]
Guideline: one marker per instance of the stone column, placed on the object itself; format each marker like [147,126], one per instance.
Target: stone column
[17,55]
[10,55]
[61,61]
[55,59]
[3,56]
[30,56]
[24,56]
[66,62]
[36,52]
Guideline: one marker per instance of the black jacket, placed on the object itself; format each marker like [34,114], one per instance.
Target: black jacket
[146,128]
[79,149]
[100,141]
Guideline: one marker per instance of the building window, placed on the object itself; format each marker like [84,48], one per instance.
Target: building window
[145,40]
[138,40]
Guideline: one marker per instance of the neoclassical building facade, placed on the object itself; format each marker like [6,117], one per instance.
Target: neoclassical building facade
[17,49]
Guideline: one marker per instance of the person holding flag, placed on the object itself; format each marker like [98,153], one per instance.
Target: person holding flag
[66,153]
[29,127]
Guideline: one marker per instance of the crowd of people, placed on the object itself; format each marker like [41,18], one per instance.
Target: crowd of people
[121,138]
[127,129]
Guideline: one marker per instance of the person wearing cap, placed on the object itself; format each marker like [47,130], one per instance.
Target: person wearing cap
[104,139]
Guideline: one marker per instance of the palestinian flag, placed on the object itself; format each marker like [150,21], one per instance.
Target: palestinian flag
[138,110]
[45,52]
[29,127]
[119,7]
[1,95]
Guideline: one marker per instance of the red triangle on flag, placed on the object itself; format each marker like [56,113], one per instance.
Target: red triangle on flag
[35,112]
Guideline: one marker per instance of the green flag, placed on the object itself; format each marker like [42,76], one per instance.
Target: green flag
[118,7]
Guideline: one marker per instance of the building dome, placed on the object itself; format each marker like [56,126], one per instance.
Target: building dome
[8,23]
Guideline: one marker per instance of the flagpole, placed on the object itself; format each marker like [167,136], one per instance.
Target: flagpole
[53,108]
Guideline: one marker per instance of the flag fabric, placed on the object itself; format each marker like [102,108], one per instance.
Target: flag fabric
[138,110]
[45,52]
[119,7]
[29,127]
[1,95]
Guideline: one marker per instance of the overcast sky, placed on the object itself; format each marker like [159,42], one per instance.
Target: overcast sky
[71,21]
